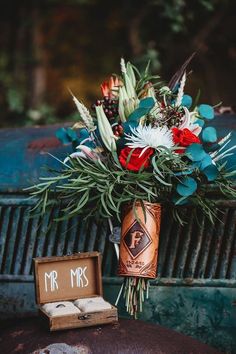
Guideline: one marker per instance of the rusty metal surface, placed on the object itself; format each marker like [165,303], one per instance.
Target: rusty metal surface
[128,336]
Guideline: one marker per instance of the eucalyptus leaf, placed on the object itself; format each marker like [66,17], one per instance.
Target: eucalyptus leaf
[147,103]
[195,152]
[206,111]
[187,187]
[211,172]
[62,135]
[144,108]
[187,101]
[209,135]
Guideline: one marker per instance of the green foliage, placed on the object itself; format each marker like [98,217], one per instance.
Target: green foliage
[45,114]
[154,30]
[14,92]
[99,188]
[15,100]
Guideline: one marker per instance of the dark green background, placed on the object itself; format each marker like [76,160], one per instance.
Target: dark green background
[49,46]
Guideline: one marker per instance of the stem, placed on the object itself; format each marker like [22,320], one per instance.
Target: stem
[135,290]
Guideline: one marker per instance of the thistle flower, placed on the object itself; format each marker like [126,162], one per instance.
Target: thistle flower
[146,136]
[165,90]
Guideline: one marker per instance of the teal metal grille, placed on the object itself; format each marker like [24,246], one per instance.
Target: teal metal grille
[197,250]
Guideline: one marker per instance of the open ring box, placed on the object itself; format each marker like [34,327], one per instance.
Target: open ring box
[60,281]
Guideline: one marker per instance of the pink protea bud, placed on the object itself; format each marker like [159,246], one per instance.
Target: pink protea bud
[105,88]
[110,87]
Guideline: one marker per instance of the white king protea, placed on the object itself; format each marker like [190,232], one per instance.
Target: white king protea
[146,136]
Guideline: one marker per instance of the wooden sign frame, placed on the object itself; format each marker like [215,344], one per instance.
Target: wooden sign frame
[57,262]
[82,319]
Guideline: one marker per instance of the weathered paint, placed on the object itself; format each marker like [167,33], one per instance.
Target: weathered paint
[24,152]
[24,155]
[205,313]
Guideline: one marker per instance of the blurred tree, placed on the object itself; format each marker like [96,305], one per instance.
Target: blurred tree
[48,46]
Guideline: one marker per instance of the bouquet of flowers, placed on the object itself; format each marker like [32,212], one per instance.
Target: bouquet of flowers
[142,145]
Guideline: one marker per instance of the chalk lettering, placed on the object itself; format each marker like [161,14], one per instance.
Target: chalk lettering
[52,277]
[78,277]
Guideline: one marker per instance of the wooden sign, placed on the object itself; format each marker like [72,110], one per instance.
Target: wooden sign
[68,277]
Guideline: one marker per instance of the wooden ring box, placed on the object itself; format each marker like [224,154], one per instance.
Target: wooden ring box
[68,278]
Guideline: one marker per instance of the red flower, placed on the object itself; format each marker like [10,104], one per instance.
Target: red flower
[110,87]
[184,137]
[136,161]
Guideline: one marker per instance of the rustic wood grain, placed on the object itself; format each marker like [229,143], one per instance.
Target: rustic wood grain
[82,319]
[75,320]
[92,259]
